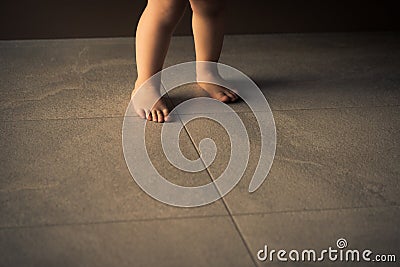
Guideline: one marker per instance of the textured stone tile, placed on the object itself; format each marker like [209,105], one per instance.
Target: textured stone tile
[67,197]
[66,78]
[51,79]
[181,50]
[304,57]
[333,158]
[297,71]
[68,171]
[374,229]
[332,94]
[183,242]
[309,95]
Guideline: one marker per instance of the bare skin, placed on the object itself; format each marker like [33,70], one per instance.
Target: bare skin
[143,99]
[153,36]
[208,31]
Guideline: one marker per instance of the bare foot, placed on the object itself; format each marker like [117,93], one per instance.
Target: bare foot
[143,100]
[216,91]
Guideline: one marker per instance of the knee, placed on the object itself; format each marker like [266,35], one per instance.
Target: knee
[167,11]
[208,7]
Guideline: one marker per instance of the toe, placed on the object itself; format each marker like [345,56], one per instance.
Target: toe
[154,115]
[231,96]
[148,114]
[165,113]
[235,96]
[160,116]
[141,113]
[223,97]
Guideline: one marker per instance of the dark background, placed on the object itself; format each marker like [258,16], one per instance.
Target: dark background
[29,19]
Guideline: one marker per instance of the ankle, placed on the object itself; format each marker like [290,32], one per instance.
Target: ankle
[138,83]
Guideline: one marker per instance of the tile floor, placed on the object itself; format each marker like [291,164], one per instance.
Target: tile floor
[68,199]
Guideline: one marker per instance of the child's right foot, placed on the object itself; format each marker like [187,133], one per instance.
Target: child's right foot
[213,88]
[143,100]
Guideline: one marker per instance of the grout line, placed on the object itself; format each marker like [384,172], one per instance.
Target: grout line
[246,245]
[70,118]
[221,198]
[238,112]
[188,217]
[111,222]
[231,215]
[263,86]
[315,210]
[298,109]
[337,108]
[241,236]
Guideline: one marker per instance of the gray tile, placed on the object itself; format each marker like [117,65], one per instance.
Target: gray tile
[66,78]
[309,70]
[310,95]
[181,50]
[375,229]
[68,171]
[332,94]
[67,197]
[182,242]
[304,57]
[51,79]
[332,158]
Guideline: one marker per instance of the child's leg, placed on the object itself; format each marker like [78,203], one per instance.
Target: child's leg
[153,36]
[208,31]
